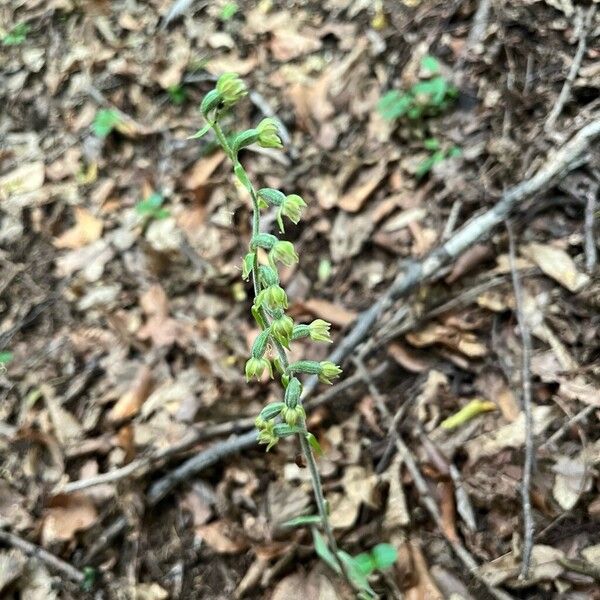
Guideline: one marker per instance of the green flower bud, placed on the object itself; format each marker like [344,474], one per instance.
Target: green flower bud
[283,251]
[267,434]
[246,138]
[293,391]
[273,297]
[268,276]
[210,102]
[231,88]
[281,330]
[255,367]
[260,343]
[319,331]
[271,196]
[248,265]
[268,134]
[328,372]
[291,208]
[263,240]
[293,415]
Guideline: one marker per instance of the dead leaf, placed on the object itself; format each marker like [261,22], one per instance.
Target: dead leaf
[67,515]
[220,537]
[202,170]
[556,263]
[26,178]
[288,44]
[572,479]
[396,512]
[12,564]
[146,591]
[87,229]
[358,487]
[545,566]
[66,426]
[334,313]
[164,235]
[426,587]
[159,327]
[493,386]
[434,333]
[369,181]
[407,359]
[467,261]
[509,436]
[130,403]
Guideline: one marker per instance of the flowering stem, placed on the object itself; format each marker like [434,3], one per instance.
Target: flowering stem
[304,445]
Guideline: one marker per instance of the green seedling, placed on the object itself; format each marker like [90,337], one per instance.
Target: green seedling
[152,207]
[5,357]
[228,11]
[105,121]
[177,94]
[437,154]
[17,35]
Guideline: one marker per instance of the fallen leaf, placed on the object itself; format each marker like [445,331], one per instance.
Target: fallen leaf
[509,436]
[369,181]
[87,229]
[434,333]
[164,235]
[545,566]
[38,583]
[202,170]
[492,385]
[572,479]
[159,327]
[67,515]
[129,404]
[556,263]
[467,261]
[334,313]
[592,554]
[66,426]
[358,487]
[396,512]
[287,44]
[146,591]
[220,537]
[407,358]
[425,589]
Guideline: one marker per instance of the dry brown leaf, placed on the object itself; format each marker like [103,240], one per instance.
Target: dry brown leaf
[334,313]
[435,333]
[67,515]
[396,513]
[287,44]
[468,261]
[202,170]
[220,537]
[493,386]
[556,263]
[161,329]
[369,181]
[425,588]
[509,436]
[407,359]
[130,403]
[572,479]
[87,229]
[358,487]
[12,564]
[66,426]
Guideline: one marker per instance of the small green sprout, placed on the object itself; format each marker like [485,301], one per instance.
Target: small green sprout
[177,94]
[6,356]
[17,35]
[437,154]
[228,11]
[105,121]
[152,207]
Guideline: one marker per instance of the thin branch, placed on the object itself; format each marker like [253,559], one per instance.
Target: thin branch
[558,434]
[34,551]
[591,256]
[575,65]
[528,522]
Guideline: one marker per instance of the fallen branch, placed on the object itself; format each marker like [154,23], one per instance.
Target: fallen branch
[34,551]
[566,88]
[528,522]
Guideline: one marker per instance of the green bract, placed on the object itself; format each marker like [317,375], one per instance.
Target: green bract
[271,196]
[268,134]
[293,391]
[283,252]
[231,88]
[260,343]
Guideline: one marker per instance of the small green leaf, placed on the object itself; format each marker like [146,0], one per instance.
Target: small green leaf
[200,133]
[424,167]
[358,578]
[177,94]
[454,152]
[430,63]
[228,11]
[314,443]
[242,176]
[150,205]
[365,563]
[17,35]
[5,357]
[305,520]
[323,551]
[431,143]
[105,121]
[384,556]
[393,104]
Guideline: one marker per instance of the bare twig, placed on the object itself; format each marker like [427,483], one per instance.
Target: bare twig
[566,89]
[34,551]
[590,240]
[582,414]
[528,523]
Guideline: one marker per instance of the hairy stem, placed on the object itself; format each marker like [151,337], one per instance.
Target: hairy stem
[304,445]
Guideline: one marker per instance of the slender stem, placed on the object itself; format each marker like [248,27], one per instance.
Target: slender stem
[304,445]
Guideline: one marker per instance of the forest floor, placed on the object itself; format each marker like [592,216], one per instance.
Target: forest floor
[125,325]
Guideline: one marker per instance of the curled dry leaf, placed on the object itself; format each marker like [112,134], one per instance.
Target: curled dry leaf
[87,229]
[572,479]
[67,515]
[130,403]
[369,181]
[556,263]
[406,358]
[451,337]
[221,537]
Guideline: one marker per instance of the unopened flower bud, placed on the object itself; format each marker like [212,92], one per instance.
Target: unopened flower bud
[210,102]
[255,367]
[244,139]
[268,134]
[231,88]
[292,415]
[281,329]
[263,240]
[283,251]
[319,331]
[293,391]
[271,196]
[328,372]
[260,343]
[273,297]
[268,276]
